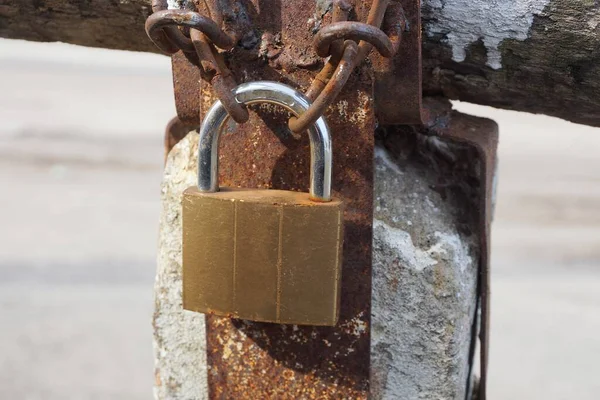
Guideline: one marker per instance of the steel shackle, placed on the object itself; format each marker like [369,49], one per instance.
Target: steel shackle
[273,93]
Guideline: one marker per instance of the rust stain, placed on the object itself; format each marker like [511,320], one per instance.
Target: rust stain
[270,361]
[186,85]
[157,379]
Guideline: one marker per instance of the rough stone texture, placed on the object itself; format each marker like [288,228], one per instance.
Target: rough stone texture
[179,336]
[424,287]
[541,56]
[424,293]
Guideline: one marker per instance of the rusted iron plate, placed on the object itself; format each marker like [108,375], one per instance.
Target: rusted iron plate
[398,80]
[254,360]
[260,360]
[186,85]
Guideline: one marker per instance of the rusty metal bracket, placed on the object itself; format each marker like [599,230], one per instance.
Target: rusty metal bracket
[186,87]
[401,74]
[175,131]
[483,136]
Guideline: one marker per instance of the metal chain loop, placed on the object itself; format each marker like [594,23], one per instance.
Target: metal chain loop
[332,78]
[356,31]
[221,80]
[161,19]
[205,34]
[347,43]
[335,85]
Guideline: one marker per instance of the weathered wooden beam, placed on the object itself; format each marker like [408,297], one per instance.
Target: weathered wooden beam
[95,23]
[540,56]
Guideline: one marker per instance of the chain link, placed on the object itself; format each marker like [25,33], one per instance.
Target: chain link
[346,43]
[156,23]
[342,73]
[332,78]
[205,34]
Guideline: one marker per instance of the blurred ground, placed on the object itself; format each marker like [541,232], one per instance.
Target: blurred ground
[80,166]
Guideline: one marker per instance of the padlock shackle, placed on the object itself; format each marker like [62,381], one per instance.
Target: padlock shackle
[273,93]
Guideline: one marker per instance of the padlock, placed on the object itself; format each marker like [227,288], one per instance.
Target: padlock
[258,254]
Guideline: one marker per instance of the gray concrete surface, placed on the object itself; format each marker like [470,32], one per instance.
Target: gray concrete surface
[80,168]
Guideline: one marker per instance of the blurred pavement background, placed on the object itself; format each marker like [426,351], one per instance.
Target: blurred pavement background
[80,167]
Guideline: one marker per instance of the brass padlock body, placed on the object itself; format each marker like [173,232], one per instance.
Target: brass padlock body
[262,255]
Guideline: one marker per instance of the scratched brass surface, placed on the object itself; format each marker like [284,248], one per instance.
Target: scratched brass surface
[262,255]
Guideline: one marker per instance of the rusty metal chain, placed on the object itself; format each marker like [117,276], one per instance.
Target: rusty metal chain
[156,23]
[332,78]
[205,34]
[355,31]
[346,43]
